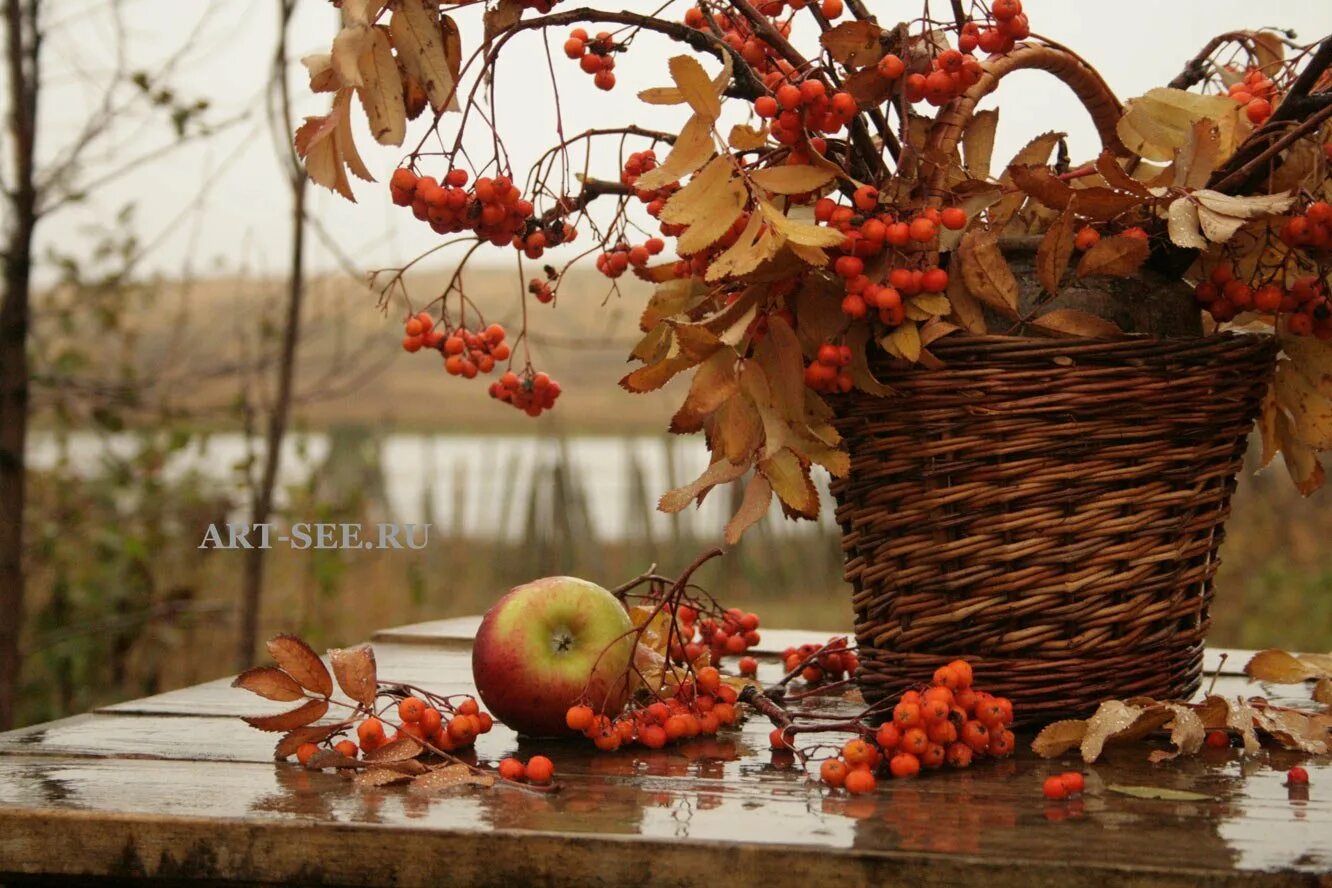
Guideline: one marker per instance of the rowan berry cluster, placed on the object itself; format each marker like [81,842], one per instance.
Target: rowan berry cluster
[829,662]
[701,706]
[467,353]
[538,769]
[1088,237]
[532,393]
[615,261]
[419,332]
[449,730]
[641,162]
[729,633]
[794,108]
[1304,303]
[869,233]
[952,72]
[593,55]
[1256,92]
[1312,228]
[494,209]
[948,722]
[1061,786]
[827,372]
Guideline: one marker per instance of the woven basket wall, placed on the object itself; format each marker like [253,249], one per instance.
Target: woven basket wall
[1049,509]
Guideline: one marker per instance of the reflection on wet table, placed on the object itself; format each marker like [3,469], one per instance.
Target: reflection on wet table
[176,787]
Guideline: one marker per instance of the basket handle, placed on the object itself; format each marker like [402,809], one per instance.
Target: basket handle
[1105,109]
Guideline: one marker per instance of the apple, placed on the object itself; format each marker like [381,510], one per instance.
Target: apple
[548,645]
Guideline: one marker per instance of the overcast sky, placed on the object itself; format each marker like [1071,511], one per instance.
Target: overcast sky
[1136,44]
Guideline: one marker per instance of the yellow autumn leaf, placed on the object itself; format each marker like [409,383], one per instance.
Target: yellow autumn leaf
[792,178]
[417,36]
[695,86]
[380,91]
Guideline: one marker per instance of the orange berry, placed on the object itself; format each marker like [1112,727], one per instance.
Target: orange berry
[1054,788]
[512,769]
[748,666]
[964,674]
[904,764]
[907,715]
[891,67]
[934,756]
[833,772]
[1086,238]
[1218,740]
[410,710]
[922,230]
[831,9]
[540,769]
[859,781]
[1001,744]
[708,678]
[914,741]
[959,755]
[856,752]
[579,718]
[953,218]
[305,752]
[1073,782]
[430,720]
[653,736]
[370,732]
[976,735]
[888,736]
[946,677]
[347,748]
[775,739]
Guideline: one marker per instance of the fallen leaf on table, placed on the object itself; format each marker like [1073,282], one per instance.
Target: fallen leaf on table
[1159,792]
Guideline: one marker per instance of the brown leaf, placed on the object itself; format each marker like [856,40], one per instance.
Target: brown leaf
[1108,166]
[692,148]
[1117,720]
[381,777]
[1307,732]
[450,776]
[903,341]
[1059,737]
[1037,151]
[1077,324]
[1054,252]
[269,682]
[715,382]
[1117,256]
[868,87]
[312,710]
[355,672]
[654,376]
[720,472]
[986,272]
[758,496]
[789,477]
[789,178]
[380,91]
[505,15]
[1280,667]
[326,146]
[736,429]
[293,740]
[1322,692]
[854,43]
[1186,733]
[330,758]
[400,750]
[419,36]
[302,663]
[978,142]
[1159,792]
[1043,185]
[779,356]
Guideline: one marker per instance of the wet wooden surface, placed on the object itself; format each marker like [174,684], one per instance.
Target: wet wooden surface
[176,788]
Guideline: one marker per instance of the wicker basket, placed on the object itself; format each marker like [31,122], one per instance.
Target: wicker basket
[1052,510]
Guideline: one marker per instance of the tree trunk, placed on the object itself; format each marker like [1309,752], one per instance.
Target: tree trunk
[22,48]
[253,582]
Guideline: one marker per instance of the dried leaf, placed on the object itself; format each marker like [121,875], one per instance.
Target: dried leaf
[755,245]
[1184,225]
[654,376]
[744,137]
[978,142]
[1322,692]
[1307,732]
[854,43]
[789,477]
[715,382]
[1075,323]
[799,232]
[355,671]
[503,16]
[295,739]
[903,341]
[868,87]
[301,663]
[417,32]
[709,205]
[754,505]
[692,148]
[779,356]
[381,777]
[857,339]
[1116,720]
[380,91]
[720,472]
[695,86]
[299,717]
[448,777]
[1158,124]
[1054,252]
[1117,256]
[1308,409]
[1281,667]
[792,178]
[1059,737]
[326,146]
[322,76]
[1186,733]
[400,750]
[1115,176]
[986,272]
[1159,792]
[1197,160]
[1035,152]
[330,758]
[269,682]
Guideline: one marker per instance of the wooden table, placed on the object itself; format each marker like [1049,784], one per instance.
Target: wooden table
[176,788]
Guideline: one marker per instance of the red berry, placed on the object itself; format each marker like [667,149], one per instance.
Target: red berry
[1297,776]
[1054,788]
